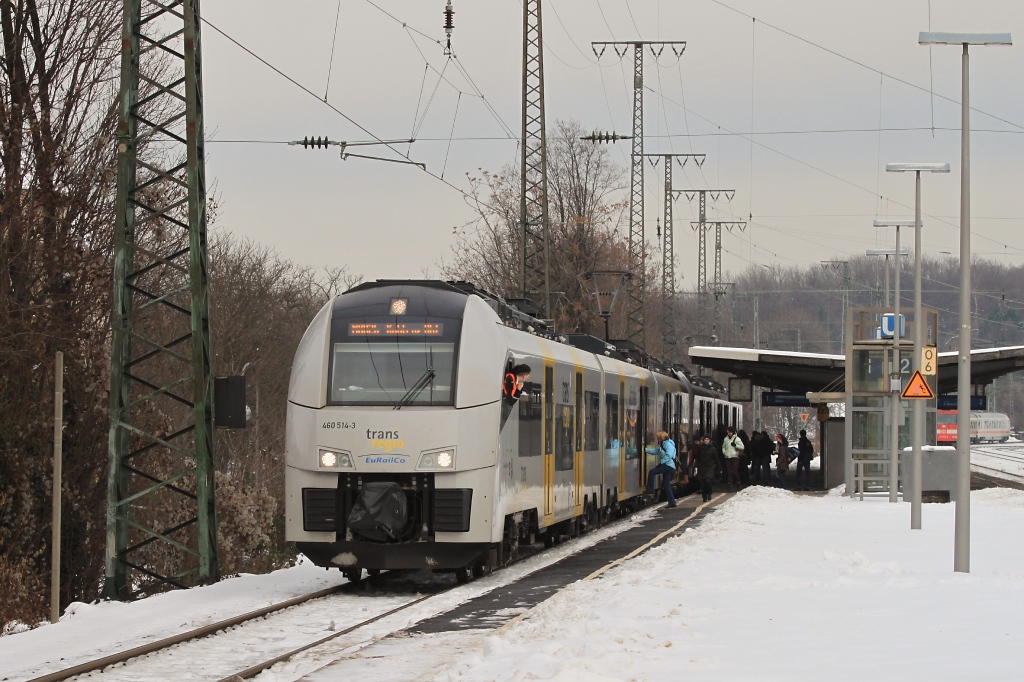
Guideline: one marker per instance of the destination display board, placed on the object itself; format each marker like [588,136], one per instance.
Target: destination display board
[395,328]
[771,399]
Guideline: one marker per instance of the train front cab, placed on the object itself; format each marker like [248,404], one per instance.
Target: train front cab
[450,499]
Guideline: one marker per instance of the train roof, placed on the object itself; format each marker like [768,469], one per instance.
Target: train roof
[523,314]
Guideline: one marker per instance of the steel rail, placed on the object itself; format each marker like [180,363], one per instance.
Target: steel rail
[256,669]
[260,667]
[98,663]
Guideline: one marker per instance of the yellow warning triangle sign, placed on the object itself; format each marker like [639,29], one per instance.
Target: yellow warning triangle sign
[917,388]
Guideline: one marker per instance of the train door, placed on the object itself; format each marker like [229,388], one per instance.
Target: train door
[619,432]
[612,462]
[565,493]
[643,436]
[594,465]
[578,445]
[549,442]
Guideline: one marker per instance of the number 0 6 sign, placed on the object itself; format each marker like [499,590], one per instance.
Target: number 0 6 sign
[929,360]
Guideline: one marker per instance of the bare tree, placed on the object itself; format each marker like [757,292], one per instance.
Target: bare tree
[583,182]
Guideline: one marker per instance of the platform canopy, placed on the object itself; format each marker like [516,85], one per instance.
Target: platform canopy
[803,372]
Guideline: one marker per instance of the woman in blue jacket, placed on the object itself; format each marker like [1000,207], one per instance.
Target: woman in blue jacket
[666,466]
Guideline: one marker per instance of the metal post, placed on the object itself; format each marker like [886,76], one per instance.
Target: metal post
[702,270]
[962,523]
[636,287]
[160,325]
[895,378]
[886,282]
[919,412]
[668,273]
[534,261]
[636,330]
[58,477]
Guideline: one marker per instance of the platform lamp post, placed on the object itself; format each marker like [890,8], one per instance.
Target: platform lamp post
[962,524]
[919,415]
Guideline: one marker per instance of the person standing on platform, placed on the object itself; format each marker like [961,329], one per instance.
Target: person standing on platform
[781,459]
[732,447]
[705,460]
[803,460]
[666,466]
[745,457]
[760,458]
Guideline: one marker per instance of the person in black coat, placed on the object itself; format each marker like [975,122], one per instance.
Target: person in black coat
[803,460]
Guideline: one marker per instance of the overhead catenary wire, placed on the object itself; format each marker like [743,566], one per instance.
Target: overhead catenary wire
[454,118]
[826,172]
[862,64]
[338,111]
[334,40]
[477,92]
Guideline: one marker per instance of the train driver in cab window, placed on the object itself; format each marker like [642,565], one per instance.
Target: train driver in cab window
[516,377]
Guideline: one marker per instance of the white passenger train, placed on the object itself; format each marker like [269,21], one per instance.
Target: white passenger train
[403,451]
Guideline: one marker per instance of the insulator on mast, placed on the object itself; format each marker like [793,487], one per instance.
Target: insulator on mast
[449,26]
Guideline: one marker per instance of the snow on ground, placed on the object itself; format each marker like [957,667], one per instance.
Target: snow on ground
[772,586]
[90,631]
[1005,461]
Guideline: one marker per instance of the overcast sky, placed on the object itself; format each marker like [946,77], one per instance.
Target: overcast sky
[811,175]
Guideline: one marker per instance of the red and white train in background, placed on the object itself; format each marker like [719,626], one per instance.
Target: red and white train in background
[986,427]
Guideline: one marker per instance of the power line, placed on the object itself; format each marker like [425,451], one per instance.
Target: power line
[825,172]
[863,65]
[338,111]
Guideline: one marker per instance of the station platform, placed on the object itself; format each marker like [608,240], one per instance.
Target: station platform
[498,607]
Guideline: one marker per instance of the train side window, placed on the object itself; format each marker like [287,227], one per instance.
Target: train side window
[592,426]
[529,420]
[735,417]
[611,431]
[564,451]
[549,409]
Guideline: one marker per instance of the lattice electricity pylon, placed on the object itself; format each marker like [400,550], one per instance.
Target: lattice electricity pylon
[636,287]
[842,269]
[718,290]
[719,224]
[668,254]
[701,226]
[161,514]
[535,228]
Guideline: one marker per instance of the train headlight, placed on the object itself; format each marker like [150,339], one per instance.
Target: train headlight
[438,460]
[334,459]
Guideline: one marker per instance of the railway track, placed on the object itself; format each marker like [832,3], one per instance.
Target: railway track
[999,464]
[241,647]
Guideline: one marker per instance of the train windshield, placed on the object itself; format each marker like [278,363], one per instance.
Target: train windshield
[946,418]
[382,361]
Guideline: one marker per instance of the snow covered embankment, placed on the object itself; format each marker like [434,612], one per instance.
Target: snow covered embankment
[775,586]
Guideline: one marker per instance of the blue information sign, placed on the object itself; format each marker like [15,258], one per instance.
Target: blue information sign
[769,399]
[979,403]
